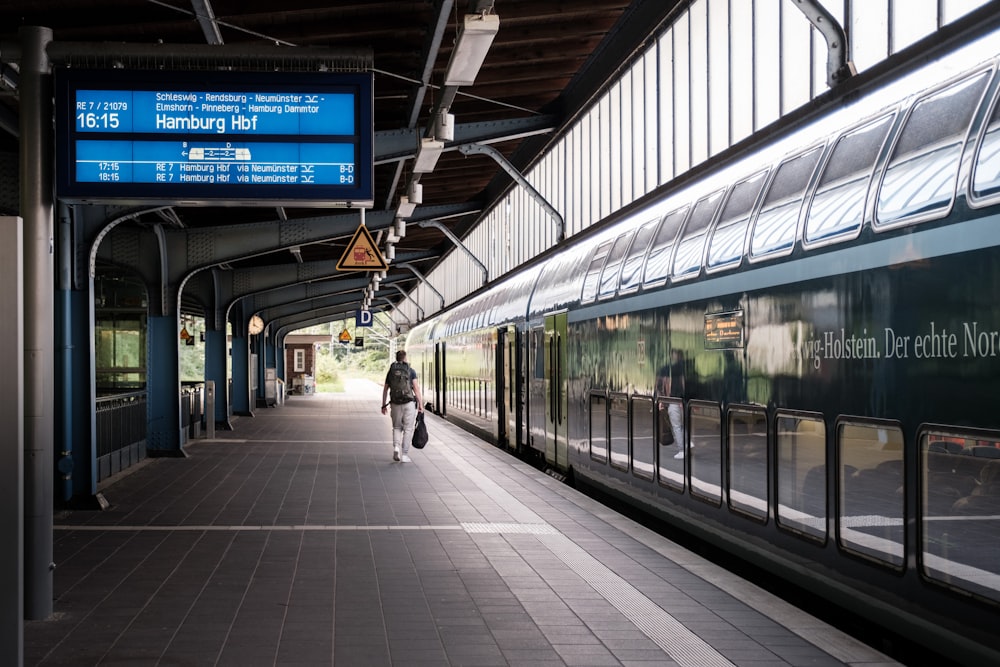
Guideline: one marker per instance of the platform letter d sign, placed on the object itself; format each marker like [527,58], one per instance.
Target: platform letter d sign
[363,318]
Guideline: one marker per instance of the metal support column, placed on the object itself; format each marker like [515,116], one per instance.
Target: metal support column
[839,68]
[37,203]
[458,244]
[420,311]
[483,149]
[420,276]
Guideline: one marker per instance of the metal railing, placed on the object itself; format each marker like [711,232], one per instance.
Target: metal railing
[121,432]
[192,408]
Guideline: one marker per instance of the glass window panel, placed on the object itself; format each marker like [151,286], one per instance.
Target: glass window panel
[794,42]
[801,469]
[618,424]
[741,69]
[640,154]
[670,436]
[870,491]
[871,19]
[718,76]
[705,450]
[748,461]
[593,140]
[598,427]
[665,102]
[960,510]
[612,148]
[652,120]
[767,63]
[643,437]
[658,261]
[729,236]
[609,277]
[691,248]
[698,81]
[920,179]
[986,181]
[631,276]
[777,222]
[680,123]
[838,206]
[602,160]
[954,9]
[626,142]
[918,21]
[592,281]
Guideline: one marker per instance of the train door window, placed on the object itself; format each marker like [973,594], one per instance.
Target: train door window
[776,225]
[837,209]
[919,182]
[643,429]
[870,491]
[670,440]
[959,509]
[612,267]
[986,180]
[729,237]
[618,431]
[748,461]
[632,266]
[691,247]
[705,450]
[599,427]
[593,277]
[801,471]
[658,261]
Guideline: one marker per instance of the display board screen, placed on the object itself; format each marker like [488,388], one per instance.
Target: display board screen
[301,139]
[724,331]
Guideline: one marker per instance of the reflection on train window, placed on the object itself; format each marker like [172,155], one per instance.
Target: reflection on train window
[632,267]
[986,181]
[726,248]
[670,437]
[801,452]
[778,220]
[870,491]
[920,180]
[643,438]
[837,208]
[536,404]
[658,262]
[593,278]
[960,510]
[705,450]
[609,276]
[748,461]
[599,427]
[618,430]
[691,247]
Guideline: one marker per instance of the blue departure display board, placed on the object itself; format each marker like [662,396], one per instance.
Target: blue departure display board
[301,139]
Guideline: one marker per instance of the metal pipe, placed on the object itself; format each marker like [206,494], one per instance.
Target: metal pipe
[420,276]
[838,67]
[393,307]
[420,311]
[39,290]
[483,149]
[458,243]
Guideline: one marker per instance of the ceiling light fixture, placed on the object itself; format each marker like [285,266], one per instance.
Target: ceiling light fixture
[474,39]
[427,156]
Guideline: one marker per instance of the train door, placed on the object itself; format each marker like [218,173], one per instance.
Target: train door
[556,443]
[502,384]
[515,403]
[440,383]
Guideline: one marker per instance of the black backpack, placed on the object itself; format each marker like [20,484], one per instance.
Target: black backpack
[400,385]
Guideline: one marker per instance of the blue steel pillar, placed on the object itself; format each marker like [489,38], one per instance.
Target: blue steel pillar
[163,387]
[215,370]
[76,435]
[241,372]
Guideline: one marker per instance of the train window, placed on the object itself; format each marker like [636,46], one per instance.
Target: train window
[691,247]
[729,237]
[778,221]
[837,209]
[618,431]
[748,461]
[986,181]
[705,451]
[632,266]
[593,278]
[670,437]
[658,261]
[960,509]
[870,491]
[599,427]
[919,182]
[801,470]
[609,277]
[643,437]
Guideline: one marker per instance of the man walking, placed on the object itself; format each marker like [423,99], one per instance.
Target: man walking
[403,392]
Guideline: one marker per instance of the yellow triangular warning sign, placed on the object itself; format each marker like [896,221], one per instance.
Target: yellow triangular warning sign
[345,336]
[362,254]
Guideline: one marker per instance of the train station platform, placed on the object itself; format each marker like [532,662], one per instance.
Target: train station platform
[296,540]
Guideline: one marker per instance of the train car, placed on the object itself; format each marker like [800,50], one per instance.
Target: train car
[793,354]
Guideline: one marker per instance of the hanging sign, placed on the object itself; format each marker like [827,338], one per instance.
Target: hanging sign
[363,318]
[345,337]
[362,254]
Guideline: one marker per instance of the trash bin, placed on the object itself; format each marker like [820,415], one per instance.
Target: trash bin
[308,384]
